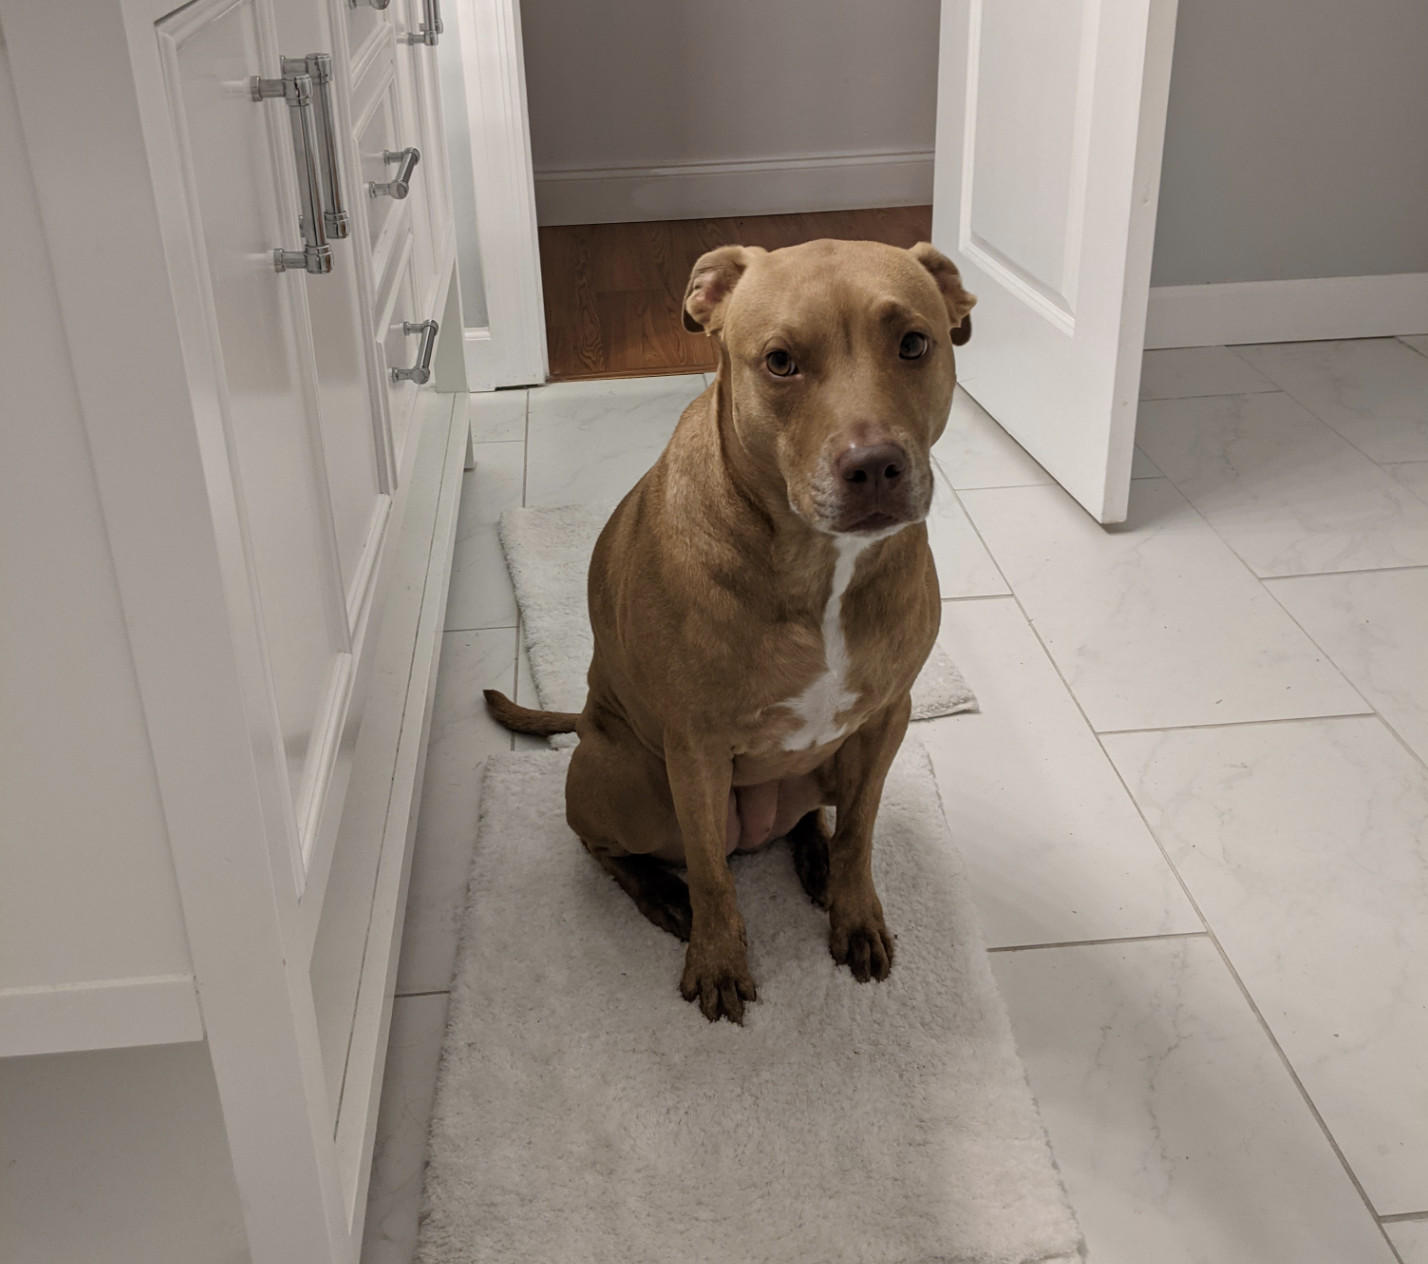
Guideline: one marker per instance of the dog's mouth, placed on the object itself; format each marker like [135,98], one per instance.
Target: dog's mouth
[874,523]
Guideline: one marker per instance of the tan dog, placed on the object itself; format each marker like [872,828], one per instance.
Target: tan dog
[764,598]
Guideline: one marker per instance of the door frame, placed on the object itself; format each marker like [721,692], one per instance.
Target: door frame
[511,349]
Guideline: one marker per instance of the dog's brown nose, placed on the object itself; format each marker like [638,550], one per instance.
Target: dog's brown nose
[873,468]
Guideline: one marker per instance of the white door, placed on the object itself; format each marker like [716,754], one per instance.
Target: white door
[1050,122]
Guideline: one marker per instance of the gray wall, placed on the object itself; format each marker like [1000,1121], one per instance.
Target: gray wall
[654,82]
[1296,145]
[1297,141]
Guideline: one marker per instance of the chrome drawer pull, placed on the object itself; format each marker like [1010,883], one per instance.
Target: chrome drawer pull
[315,255]
[431,29]
[420,372]
[401,186]
[376,4]
[318,68]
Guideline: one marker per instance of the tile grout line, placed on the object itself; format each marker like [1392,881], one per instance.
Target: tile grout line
[1404,1217]
[526,449]
[1239,724]
[1264,587]
[1265,583]
[520,615]
[494,627]
[1229,544]
[1302,404]
[405,996]
[1254,1008]
[1000,487]
[1199,912]
[1097,943]
[1369,709]
[515,677]
[1403,338]
[1271,389]
[1379,715]
[979,596]
[1356,570]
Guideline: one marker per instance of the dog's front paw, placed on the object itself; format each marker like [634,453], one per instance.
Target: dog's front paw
[863,943]
[717,976]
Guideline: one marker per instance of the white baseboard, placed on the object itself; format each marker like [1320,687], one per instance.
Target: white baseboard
[1287,311]
[759,186]
[104,1014]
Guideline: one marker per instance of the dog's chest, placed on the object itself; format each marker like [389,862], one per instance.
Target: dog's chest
[823,709]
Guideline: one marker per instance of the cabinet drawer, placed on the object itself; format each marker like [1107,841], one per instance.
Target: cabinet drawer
[420,63]
[382,131]
[398,349]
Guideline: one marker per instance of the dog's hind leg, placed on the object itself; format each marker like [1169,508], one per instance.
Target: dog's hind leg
[808,840]
[659,893]
[617,802]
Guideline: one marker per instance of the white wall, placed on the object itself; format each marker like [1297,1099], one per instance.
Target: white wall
[686,108]
[1297,141]
[1296,146]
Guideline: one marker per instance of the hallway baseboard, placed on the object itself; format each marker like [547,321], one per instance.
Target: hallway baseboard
[1307,310]
[783,185]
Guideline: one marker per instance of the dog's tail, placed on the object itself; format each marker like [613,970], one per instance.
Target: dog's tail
[524,720]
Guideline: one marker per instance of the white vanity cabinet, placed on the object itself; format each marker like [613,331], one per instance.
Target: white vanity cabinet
[229,472]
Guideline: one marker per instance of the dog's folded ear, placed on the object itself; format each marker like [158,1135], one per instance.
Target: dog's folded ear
[949,281]
[715,275]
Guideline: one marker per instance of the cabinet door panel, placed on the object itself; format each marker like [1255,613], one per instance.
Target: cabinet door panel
[238,163]
[351,415]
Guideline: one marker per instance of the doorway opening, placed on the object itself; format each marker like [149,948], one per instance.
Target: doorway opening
[613,291]
[660,132]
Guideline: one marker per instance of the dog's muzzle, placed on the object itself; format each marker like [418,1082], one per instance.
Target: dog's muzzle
[877,489]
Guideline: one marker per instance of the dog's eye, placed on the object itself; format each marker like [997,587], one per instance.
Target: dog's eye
[914,346]
[780,364]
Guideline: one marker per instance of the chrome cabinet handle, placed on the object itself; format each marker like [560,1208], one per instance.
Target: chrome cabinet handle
[318,68]
[315,255]
[376,4]
[432,29]
[420,372]
[401,186]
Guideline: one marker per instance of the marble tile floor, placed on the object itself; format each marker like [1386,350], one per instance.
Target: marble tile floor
[1194,804]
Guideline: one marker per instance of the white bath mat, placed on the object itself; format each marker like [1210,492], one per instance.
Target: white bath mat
[585,1114]
[548,553]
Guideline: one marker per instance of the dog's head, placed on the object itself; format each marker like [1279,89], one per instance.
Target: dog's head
[839,366]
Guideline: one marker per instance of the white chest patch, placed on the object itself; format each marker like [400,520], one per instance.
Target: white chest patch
[818,706]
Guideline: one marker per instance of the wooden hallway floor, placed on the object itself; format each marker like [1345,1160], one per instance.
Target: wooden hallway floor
[613,291]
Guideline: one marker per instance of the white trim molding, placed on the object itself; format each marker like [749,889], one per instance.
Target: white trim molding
[160,1009]
[1307,310]
[493,79]
[755,186]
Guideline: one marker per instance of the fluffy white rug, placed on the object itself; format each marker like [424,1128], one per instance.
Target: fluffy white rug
[585,1114]
[548,553]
